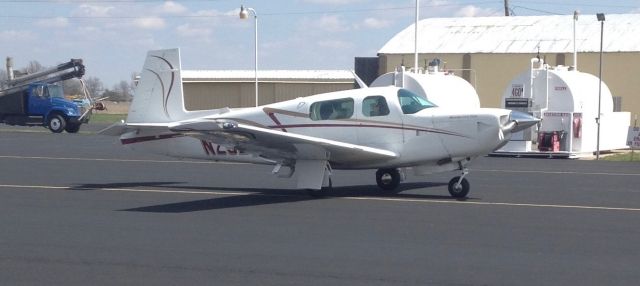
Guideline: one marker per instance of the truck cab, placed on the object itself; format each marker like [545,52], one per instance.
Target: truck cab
[47,105]
[36,99]
[42,104]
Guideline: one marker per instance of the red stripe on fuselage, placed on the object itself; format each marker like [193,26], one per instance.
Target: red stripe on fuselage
[439,131]
[282,127]
[276,121]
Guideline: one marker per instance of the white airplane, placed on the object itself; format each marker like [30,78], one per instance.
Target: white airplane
[385,128]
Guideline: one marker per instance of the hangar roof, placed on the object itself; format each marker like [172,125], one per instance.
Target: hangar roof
[267,75]
[518,34]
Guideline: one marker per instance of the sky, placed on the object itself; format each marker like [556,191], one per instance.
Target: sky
[113,36]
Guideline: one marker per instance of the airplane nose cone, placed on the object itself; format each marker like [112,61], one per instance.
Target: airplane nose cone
[519,121]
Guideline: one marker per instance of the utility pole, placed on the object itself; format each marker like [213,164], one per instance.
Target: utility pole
[506,7]
[415,39]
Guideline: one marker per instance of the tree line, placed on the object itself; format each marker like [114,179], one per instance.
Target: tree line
[122,91]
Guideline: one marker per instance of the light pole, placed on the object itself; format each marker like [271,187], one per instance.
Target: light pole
[575,50]
[244,14]
[415,39]
[601,19]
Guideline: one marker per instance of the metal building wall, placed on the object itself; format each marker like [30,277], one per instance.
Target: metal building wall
[219,94]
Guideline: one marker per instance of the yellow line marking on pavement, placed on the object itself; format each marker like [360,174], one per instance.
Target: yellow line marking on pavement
[425,201]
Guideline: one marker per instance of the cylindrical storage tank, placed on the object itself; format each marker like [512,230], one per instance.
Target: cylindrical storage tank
[443,89]
[568,91]
[567,102]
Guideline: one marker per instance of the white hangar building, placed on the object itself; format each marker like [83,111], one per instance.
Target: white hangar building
[490,51]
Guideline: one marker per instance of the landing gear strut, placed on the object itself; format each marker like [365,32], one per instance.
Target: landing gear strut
[388,180]
[459,186]
[321,192]
[327,185]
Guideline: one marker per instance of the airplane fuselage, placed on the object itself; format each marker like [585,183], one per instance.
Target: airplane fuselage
[385,118]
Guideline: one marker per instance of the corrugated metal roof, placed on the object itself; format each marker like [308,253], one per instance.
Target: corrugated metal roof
[248,75]
[518,34]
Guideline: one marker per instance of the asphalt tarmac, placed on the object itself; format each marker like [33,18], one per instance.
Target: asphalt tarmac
[80,209]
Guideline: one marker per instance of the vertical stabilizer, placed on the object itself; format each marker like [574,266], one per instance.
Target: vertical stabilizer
[158,97]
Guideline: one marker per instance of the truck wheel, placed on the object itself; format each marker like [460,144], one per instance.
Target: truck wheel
[56,123]
[72,128]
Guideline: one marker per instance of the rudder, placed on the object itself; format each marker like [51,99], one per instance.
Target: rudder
[158,97]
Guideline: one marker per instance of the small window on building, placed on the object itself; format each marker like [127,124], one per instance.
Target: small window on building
[411,102]
[332,109]
[375,106]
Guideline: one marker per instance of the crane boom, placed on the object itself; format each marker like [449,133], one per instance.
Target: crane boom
[71,69]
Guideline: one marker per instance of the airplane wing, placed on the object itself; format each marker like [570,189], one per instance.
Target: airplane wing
[275,144]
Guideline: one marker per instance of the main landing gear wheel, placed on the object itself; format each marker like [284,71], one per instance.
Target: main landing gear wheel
[56,123]
[388,179]
[459,190]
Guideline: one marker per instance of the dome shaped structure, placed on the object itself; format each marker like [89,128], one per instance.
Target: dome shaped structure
[442,88]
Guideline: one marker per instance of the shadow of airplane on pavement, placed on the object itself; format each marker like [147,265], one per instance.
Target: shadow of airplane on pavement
[257,196]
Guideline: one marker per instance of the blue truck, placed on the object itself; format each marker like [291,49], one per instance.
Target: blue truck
[36,99]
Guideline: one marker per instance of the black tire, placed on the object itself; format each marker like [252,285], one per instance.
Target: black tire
[56,123]
[462,191]
[72,128]
[388,179]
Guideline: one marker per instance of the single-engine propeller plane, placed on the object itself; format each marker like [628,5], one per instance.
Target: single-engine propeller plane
[385,128]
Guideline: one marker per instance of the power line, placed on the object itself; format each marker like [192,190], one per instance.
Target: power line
[341,11]
[102,1]
[578,4]
[537,10]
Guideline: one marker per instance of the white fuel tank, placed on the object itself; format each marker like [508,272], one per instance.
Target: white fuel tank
[442,88]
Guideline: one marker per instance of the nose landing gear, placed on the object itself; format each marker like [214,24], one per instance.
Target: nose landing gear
[459,186]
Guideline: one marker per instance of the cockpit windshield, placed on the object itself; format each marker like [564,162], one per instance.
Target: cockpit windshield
[55,91]
[411,102]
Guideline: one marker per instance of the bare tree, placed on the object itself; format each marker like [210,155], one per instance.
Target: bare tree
[3,78]
[121,91]
[72,87]
[34,66]
[94,86]
[112,95]
[125,88]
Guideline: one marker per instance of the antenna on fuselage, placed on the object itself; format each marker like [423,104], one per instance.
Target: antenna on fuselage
[360,82]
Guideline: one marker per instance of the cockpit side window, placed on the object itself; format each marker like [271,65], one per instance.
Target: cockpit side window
[39,91]
[332,109]
[375,106]
[55,91]
[411,102]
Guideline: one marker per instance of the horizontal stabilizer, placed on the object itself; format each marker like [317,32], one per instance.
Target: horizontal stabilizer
[120,128]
